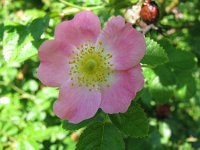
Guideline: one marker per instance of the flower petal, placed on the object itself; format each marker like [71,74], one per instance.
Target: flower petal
[76,103]
[122,90]
[126,45]
[53,67]
[83,27]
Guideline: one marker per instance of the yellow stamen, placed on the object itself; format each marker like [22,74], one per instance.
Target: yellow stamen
[91,66]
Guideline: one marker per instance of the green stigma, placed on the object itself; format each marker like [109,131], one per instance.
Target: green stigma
[90,66]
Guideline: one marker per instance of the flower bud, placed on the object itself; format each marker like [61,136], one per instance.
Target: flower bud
[133,14]
[149,12]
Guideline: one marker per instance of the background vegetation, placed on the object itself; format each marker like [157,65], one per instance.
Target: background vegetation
[170,98]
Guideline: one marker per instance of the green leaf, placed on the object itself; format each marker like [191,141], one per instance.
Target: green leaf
[178,59]
[159,92]
[182,60]
[17,44]
[133,123]
[70,126]
[138,144]
[151,142]
[155,54]
[38,26]
[166,75]
[146,97]
[186,85]
[10,45]
[26,50]
[167,45]
[1,31]
[101,136]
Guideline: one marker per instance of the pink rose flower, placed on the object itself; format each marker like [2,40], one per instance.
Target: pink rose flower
[93,68]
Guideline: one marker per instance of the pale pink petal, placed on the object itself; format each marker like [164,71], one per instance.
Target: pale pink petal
[85,26]
[53,68]
[126,45]
[76,103]
[123,88]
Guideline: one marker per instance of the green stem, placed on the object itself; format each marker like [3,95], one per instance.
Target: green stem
[24,94]
[17,89]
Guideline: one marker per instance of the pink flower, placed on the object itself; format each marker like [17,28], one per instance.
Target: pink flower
[93,68]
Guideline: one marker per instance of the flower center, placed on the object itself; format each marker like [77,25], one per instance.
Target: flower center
[90,66]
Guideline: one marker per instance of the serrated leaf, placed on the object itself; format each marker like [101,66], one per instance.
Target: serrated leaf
[152,142]
[15,52]
[26,50]
[178,59]
[182,60]
[166,75]
[18,44]
[70,126]
[186,85]
[101,136]
[155,54]
[10,45]
[159,92]
[38,26]
[133,123]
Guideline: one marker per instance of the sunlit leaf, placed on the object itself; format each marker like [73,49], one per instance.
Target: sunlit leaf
[101,136]
[155,54]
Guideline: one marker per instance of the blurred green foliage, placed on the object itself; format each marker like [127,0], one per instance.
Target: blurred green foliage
[171,67]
